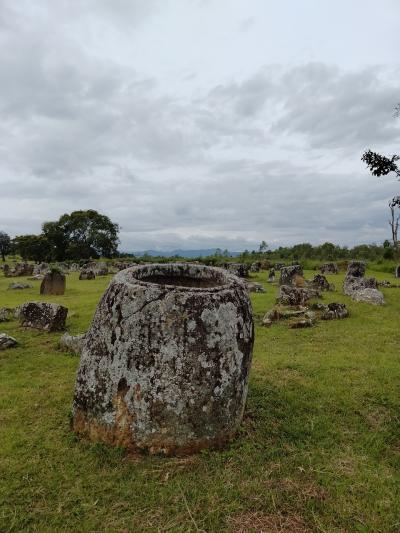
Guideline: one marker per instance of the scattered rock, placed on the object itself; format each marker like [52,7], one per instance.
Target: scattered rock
[165,365]
[334,311]
[42,315]
[7,342]
[87,274]
[73,343]
[384,283]
[19,269]
[238,269]
[369,296]
[255,267]
[320,282]
[302,323]
[252,286]
[271,276]
[289,274]
[6,314]
[40,269]
[397,272]
[53,283]
[355,280]
[329,268]
[294,296]
[19,286]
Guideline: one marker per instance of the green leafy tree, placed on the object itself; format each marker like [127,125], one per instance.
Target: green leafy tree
[5,244]
[33,247]
[82,235]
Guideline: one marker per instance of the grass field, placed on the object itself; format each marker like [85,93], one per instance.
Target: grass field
[319,448]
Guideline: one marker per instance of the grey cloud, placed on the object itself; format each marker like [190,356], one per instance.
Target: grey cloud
[271,155]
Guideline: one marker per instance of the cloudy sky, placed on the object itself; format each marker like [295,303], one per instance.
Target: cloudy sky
[200,123]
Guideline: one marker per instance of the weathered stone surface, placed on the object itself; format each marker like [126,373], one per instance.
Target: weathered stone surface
[368,295]
[335,311]
[19,286]
[329,268]
[302,323]
[73,343]
[6,341]
[289,274]
[279,313]
[165,363]
[255,267]
[19,269]
[53,283]
[6,314]
[252,286]
[397,272]
[355,280]
[320,282]
[40,269]
[271,276]
[87,274]
[289,295]
[42,315]
[238,269]
[279,266]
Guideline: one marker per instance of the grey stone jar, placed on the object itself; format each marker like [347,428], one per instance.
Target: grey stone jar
[165,364]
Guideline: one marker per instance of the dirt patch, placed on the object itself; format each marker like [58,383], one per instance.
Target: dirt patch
[268,523]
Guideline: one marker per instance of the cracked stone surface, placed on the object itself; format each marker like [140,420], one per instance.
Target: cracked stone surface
[165,363]
[73,343]
[289,273]
[6,341]
[42,315]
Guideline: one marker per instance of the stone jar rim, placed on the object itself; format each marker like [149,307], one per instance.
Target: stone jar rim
[224,279]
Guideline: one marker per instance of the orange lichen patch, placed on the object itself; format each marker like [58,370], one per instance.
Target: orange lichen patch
[118,434]
[121,434]
[267,523]
[298,281]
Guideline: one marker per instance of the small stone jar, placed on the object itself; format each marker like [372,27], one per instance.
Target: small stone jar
[165,363]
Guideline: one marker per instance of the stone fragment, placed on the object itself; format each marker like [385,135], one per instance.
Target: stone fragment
[329,268]
[238,269]
[40,269]
[42,315]
[165,365]
[397,272]
[355,280]
[271,276]
[368,295]
[335,311]
[255,267]
[6,314]
[320,282]
[301,323]
[7,342]
[19,269]
[289,274]
[19,286]
[289,295]
[252,286]
[53,283]
[73,343]
[87,274]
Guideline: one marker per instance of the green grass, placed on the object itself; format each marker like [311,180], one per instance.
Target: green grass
[319,447]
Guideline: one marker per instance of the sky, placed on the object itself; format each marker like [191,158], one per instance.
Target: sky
[200,123]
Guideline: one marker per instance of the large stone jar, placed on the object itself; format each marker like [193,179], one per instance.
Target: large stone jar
[165,364]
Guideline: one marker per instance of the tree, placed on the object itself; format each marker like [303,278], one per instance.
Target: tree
[5,245]
[263,247]
[380,165]
[33,247]
[82,235]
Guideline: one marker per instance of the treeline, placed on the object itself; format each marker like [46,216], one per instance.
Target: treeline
[79,235]
[324,252]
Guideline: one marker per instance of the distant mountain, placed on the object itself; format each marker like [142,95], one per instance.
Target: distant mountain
[183,253]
